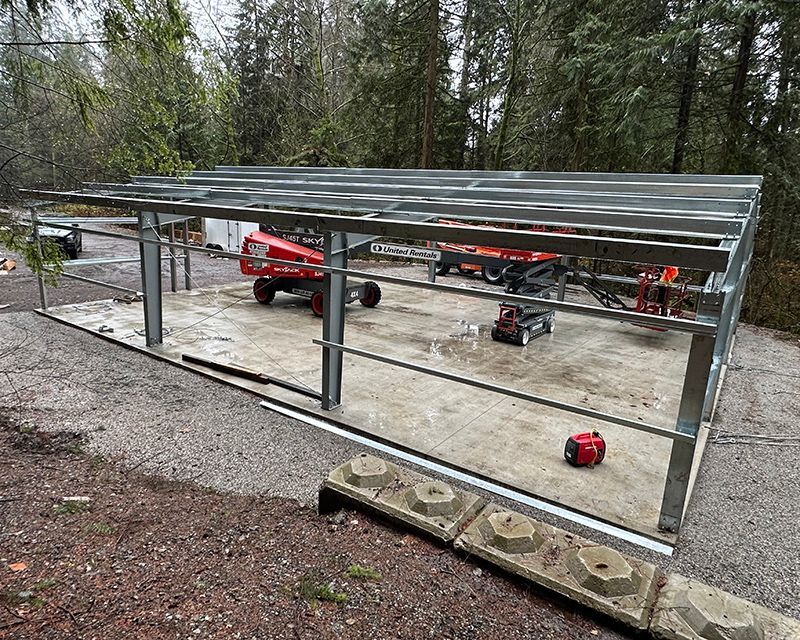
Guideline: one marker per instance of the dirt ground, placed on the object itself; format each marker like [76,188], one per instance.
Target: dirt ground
[19,287]
[740,531]
[148,558]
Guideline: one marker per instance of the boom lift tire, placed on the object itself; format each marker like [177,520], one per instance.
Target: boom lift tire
[317,304]
[373,294]
[442,268]
[263,290]
[492,275]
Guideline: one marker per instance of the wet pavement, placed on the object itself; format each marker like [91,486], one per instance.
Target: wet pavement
[607,366]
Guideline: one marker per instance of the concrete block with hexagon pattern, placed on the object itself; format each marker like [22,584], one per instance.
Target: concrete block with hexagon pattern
[432,506]
[691,610]
[596,576]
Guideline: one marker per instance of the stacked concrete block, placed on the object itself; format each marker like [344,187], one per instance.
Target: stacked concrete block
[595,576]
[435,507]
[690,610]
[633,592]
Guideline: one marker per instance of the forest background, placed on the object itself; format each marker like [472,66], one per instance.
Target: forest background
[104,89]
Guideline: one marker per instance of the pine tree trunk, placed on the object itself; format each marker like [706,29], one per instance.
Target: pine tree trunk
[779,118]
[581,121]
[463,85]
[730,157]
[430,86]
[688,83]
[510,96]
[508,105]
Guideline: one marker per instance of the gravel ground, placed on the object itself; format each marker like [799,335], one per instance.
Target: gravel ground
[740,532]
[147,558]
[19,287]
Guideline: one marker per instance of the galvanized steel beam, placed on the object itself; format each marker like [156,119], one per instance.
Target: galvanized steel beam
[698,257]
[507,391]
[745,180]
[553,197]
[623,219]
[661,322]
[706,190]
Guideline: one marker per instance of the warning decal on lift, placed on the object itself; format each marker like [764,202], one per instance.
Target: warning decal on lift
[405,251]
[258,250]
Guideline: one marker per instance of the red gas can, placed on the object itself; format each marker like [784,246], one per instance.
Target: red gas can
[585,449]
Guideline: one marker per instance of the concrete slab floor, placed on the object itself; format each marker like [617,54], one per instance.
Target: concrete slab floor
[608,366]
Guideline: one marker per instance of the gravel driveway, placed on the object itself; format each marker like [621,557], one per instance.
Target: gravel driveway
[740,532]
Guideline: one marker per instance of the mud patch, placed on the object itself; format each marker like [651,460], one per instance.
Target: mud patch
[26,436]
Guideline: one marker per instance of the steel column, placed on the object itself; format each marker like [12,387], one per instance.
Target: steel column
[690,417]
[38,241]
[150,254]
[562,280]
[187,260]
[432,266]
[335,255]
[173,262]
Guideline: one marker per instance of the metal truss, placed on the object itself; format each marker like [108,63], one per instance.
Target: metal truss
[700,223]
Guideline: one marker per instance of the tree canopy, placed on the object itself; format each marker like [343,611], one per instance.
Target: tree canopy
[94,89]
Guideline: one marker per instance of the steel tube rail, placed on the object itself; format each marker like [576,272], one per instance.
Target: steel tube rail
[462,474]
[703,258]
[89,262]
[745,180]
[662,322]
[706,225]
[87,220]
[707,189]
[508,391]
[108,285]
[559,198]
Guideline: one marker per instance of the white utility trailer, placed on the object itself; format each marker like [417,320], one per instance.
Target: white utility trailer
[226,234]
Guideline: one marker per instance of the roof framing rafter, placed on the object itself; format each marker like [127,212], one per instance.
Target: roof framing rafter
[710,190]
[708,226]
[704,258]
[676,202]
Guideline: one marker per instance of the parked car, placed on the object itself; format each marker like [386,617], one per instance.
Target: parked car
[70,241]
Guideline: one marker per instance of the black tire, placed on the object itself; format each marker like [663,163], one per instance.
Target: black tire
[442,268]
[495,336]
[523,337]
[263,291]
[551,325]
[372,296]
[492,275]
[317,304]
[72,254]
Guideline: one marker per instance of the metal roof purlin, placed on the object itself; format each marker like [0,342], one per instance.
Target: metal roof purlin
[705,258]
[707,226]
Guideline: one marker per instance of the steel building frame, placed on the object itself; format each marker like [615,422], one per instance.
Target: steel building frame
[694,222]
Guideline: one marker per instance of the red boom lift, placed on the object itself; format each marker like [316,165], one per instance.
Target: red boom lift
[302,280]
